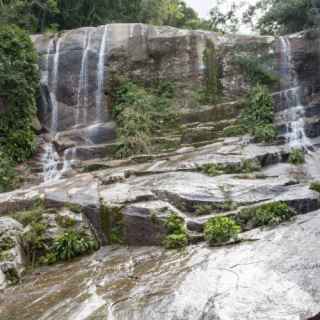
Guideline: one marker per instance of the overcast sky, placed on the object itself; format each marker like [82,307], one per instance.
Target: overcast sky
[203,7]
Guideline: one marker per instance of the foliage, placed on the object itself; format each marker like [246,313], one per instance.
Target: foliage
[72,244]
[267,214]
[220,230]
[290,16]
[233,131]
[296,157]
[176,232]
[255,70]
[315,186]
[65,221]
[139,113]
[33,215]
[8,175]
[19,80]
[215,169]
[258,116]
[44,15]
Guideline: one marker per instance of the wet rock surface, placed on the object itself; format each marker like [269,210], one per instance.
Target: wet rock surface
[273,277]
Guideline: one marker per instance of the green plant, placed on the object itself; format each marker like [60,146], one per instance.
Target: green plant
[296,157]
[19,83]
[315,186]
[258,116]
[177,237]
[233,131]
[73,207]
[202,210]
[6,243]
[256,70]
[33,215]
[211,169]
[267,214]
[249,166]
[140,112]
[221,230]
[72,244]
[65,221]
[8,175]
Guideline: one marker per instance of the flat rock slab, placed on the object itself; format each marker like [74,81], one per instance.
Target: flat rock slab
[275,277]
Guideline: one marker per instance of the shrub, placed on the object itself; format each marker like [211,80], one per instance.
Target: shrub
[176,232]
[266,214]
[139,113]
[258,116]
[220,230]
[8,175]
[296,157]
[233,131]
[315,186]
[72,244]
[65,221]
[19,81]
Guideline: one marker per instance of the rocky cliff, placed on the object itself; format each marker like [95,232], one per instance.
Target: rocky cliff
[199,173]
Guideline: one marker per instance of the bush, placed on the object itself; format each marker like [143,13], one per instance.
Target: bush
[266,215]
[72,244]
[233,131]
[139,113]
[257,119]
[315,186]
[8,176]
[19,81]
[296,157]
[221,230]
[176,232]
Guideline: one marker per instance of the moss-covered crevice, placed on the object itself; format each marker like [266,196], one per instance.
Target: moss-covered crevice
[213,86]
[112,224]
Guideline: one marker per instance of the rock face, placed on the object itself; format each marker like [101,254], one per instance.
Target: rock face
[274,277]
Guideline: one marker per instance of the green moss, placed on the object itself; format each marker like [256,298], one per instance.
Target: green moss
[177,237]
[265,215]
[75,208]
[220,230]
[65,221]
[233,131]
[315,186]
[214,169]
[212,91]
[296,157]
[112,224]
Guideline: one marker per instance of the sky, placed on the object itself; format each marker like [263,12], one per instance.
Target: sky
[203,7]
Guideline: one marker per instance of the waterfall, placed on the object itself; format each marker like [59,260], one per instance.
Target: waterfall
[50,158]
[295,112]
[82,99]
[100,75]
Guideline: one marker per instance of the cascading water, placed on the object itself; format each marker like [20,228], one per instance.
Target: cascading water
[291,94]
[82,99]
[100,75]
[50,158]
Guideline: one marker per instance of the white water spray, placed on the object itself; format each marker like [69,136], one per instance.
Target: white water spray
[295,112]
[100,75]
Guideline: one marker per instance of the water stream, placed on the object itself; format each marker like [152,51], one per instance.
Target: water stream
[291,93]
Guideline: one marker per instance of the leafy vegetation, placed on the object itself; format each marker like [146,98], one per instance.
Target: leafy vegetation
[315,186]
[220,230]
[215,169]
[19,80]
[233,131]
[177,237]
[265,215]
[48,15]
[296,157]
[72,244]
[140,112]
[258,117]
